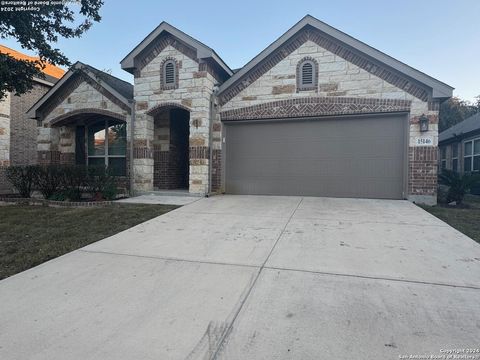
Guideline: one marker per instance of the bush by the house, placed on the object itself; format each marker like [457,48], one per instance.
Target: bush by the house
[49,180]
[64,182]
[458,184]
[22,178]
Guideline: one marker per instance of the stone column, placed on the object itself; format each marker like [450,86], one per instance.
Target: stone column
[47,145]
[143,149]
[67,145]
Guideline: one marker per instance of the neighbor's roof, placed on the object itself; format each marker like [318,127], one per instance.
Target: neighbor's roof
[122,90]
[203,51]
[462,128]
[439,89]
[53,72]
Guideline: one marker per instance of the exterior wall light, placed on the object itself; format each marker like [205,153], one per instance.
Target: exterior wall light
[423,123]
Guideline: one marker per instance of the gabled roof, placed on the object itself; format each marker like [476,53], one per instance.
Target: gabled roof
[52,73]
[468,125]
[439,89]
[203,51]
[122,90]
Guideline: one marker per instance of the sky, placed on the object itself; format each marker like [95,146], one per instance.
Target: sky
[438,37]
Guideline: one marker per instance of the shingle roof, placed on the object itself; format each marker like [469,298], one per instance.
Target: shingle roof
[52,72]
[123,87]
[466,126]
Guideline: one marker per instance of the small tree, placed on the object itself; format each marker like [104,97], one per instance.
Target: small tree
[458,184]
[22,178]
[37,30]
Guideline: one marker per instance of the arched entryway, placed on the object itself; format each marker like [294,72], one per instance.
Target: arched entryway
[171,147]
[93,137]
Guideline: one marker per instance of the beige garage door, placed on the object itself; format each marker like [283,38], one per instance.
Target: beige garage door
[340,157]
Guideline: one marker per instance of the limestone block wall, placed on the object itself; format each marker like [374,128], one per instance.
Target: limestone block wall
[339,78]
[56,144]
[193,93]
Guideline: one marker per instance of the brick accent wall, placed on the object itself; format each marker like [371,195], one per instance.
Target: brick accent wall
[316,106]
[23,130]
[216,170]
[423,171]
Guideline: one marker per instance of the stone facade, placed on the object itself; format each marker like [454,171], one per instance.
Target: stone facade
[195,87]
[56,143]
[346,81]
[340,82]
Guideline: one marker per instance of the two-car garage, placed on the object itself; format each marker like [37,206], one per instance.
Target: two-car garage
[362,156]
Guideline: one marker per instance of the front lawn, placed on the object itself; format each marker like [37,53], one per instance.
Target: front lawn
[466,220]
[31,235]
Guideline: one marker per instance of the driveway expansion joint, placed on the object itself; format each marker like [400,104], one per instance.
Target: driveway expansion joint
[230,326]
[167,258]
[419,282]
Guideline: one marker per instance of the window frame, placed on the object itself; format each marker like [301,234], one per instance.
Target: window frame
[106,156]
[163,78]
[443,158]
[454,158]
[472,156]
[301,86]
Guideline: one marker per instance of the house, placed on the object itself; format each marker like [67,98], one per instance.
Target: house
[459,146]
[315,113]
[18,133]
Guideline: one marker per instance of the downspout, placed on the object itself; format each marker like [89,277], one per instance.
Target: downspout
[132,132]
[213,114]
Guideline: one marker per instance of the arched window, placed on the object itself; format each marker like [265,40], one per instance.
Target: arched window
[307,74]
[169,74]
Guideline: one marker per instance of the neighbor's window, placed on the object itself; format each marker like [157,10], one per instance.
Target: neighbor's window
[471,155]
[107,145]
[443,157]
[307,74]
[169,74]
[455,157]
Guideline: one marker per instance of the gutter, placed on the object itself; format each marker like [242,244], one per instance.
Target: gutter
[132,132]
[213,112]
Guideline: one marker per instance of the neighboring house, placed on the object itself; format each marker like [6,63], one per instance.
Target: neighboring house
[459,146]
[18,133]
[315,113]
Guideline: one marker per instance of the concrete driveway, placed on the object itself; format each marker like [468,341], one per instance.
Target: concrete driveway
[253,277]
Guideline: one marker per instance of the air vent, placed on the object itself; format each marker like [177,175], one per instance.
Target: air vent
[307,74]
[169,73]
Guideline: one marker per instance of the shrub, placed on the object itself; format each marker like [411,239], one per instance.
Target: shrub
[49,179]
[74,180]
[22,178]
[458,184]
[101,182]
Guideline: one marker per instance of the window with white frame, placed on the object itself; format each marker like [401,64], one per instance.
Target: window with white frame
[471,155]
[107,145]
[443,158]
[455,157]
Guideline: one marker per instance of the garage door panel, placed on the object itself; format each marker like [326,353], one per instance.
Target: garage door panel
[355,157]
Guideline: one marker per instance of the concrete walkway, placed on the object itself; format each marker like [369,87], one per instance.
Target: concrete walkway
[252,277]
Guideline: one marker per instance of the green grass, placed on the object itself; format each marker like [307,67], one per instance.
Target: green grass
[465,220]
[31,235]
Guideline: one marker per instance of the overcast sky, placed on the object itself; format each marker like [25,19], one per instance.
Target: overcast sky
[440,38]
